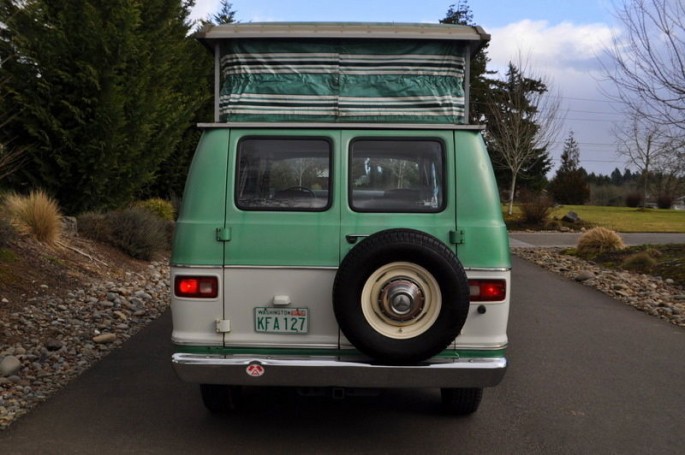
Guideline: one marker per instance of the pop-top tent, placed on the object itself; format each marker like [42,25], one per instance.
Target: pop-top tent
[342,72]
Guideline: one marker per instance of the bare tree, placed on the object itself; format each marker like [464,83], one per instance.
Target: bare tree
[647,62]
[647,146]
[523,119]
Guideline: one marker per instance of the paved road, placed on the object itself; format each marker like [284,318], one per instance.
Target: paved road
[564,239]
[587,375]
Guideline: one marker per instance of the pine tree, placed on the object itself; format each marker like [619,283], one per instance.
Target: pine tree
[103,92]
[172,173]
[226,15]
[569,186]
[461,14]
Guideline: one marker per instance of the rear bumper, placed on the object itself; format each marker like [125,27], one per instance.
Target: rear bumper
[332,372]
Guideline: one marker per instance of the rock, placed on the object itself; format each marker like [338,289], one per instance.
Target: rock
[571,217]
[104,338]
[9,366]
[584,276]
[53,344]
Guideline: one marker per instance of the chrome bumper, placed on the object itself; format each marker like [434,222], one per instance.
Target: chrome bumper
[331,372]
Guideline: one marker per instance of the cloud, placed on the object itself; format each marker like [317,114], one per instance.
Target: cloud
[560,46]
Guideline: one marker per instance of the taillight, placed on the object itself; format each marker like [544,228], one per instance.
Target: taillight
[204,287]
[487,290]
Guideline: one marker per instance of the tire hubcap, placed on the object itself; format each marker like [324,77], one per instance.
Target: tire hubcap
[401,300]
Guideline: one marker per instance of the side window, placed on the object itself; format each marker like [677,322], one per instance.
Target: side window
[397,175]
[283,174]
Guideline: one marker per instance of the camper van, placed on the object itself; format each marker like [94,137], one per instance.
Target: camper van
[340,227]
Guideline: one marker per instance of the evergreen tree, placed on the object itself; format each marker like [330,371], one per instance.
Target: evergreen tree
[569,186]
[461,14]
[102,93]
[173,171]
[616,177]
[226,15]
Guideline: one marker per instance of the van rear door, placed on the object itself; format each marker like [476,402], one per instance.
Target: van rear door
[282,233]
[397,179]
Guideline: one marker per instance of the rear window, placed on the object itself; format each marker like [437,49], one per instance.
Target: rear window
[397,176]
[283,174]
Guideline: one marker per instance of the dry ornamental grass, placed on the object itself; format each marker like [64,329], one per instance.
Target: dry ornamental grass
[597,241]
[36,214]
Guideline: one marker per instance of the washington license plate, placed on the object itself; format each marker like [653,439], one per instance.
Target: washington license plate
[281,320]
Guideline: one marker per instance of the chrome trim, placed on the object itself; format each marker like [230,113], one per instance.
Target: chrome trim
[330,371]
[483,269]
[342,126]
[307,267]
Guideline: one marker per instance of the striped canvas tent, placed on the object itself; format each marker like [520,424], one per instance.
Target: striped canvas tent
[344,73]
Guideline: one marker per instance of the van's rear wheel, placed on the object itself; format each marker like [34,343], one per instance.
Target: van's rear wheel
[461,401]
[219,398]
[401,296]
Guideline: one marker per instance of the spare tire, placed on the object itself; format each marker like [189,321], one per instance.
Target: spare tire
[401,296]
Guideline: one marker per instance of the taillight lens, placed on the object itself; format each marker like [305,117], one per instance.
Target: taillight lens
[204,287]
[487,290]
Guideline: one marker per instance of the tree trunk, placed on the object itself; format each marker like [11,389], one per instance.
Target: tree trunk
[512,191]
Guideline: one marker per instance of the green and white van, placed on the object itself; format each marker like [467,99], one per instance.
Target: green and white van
[341,226]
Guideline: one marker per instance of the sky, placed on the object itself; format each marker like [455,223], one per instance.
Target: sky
[560,41]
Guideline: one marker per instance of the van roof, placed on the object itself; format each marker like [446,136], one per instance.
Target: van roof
[474,35]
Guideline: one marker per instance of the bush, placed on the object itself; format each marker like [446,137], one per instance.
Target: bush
[535,209]
[94,226]
[36,214]
[639,262]
[597,241]
[137,232]
[160,207]
[664,201]
[570,188]
[633,200]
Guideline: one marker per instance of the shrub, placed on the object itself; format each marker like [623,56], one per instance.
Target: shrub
[94,226]
[137,232]
[160,207]
[36,214]
[570,187]
[535,209]
[633,200]
[639,262]
[664,201]
[597,241]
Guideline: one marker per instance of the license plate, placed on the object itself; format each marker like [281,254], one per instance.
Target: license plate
[281,320]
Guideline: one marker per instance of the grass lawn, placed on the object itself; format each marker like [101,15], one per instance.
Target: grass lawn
[625,219]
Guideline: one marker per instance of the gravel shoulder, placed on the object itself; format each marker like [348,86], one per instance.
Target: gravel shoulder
[64,308]
[652,295]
